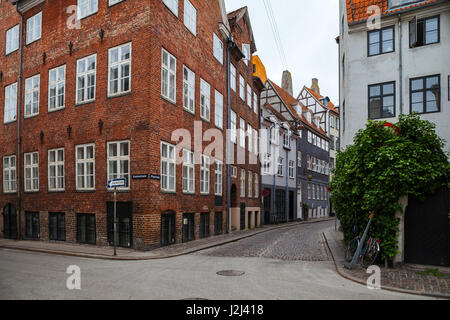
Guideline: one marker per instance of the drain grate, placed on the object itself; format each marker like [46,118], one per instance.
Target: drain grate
[231,273]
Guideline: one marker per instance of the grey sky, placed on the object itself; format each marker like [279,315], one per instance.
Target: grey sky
[307,30]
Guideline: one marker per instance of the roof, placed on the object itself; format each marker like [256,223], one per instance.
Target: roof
[289,101]
[330,106]
[242,13]
[357,10]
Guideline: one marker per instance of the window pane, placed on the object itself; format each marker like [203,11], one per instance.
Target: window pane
[375,91]
[388,89]
[417,84]
[432,82]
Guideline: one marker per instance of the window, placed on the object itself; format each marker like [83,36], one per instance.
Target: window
[242,133]
[218,178]
[10,111]
[232,77]
[381,41]
[424,31]
[119,161]
[308,162]
[250,138]
[172,5]
[291,169]
[57,88]
[399,3]
[188,172]
[12,39]
[242,183]
[56,170]
[205,100]
[256,142]
[119,70]
[32,86]
[242,87]
[255,103]
[233,133]
[9,174]
[57,226]
[266,163]
[85,167]
[204,175]
[246,52]
[280,167]
[113,2]
[86,69]
[250,184]
[331,121]
[274,135]
[309,191]
[299,159]
[218,112]
[309,137]
[249,96]
[190,17]
[332,142]
[425,94]
[86,228]
[86,8]
[31,172]
[218,48]
[256,186]
[382,100]
[32,225]
[287,140]
[168,170]
[34,28]
[234,172]
[204,225]
[188,90]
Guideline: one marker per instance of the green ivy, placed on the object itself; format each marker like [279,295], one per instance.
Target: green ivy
[385,163]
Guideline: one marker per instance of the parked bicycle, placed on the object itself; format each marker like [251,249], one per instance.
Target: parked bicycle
[369,252]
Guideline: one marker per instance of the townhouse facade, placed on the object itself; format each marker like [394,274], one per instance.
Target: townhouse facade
[394,60]
[94,91]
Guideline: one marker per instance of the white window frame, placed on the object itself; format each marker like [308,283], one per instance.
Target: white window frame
[113,2]
[12,39]
[250,184]
[249,96]
[218,178]
[255,103]
[54,84]
[292,169]
[9,183]
[118,158]
[85,162]
[234,172]
[57,164]
[242,87]
[188,172]
[251,142]
[242,133]
[246,52]
[266,163]
[218,48]
[233,127]
[10,108]
[85,76]
[168,162]
[167,73]
[172,5]
[256,176]
[31,165]
[242,183]
[188,90]
[299,159]
[34,28]
[280,166]
[255,142]
[205,100]
[218,109]
[32,92]
[190,17]
[205,176]
[119,64]
[233,77]
[86,8]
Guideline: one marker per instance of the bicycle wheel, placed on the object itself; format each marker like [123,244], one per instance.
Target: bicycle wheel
[351,249]
[371,254]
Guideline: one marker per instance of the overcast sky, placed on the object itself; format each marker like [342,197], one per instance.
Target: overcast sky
[308,29]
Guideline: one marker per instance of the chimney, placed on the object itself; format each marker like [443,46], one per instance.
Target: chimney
[286,82]
[315,86]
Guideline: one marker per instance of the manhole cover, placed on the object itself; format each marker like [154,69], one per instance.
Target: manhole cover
[231,273]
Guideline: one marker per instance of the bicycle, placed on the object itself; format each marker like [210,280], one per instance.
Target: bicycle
[369,252]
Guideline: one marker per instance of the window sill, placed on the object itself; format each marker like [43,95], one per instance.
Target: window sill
[118,95]
[169,101]
[31,192]
[87,16]
[80,104]
[56,191]
[56,110]
[9,122]
[86,191]
[114,4]
[12,192]
[31,117]
[10,53]
[31,42]
[168,192]
[189,111]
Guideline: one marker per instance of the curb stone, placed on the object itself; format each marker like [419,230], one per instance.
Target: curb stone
[340,270]
[168,256]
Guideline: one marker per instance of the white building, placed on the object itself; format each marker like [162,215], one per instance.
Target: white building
[401,66]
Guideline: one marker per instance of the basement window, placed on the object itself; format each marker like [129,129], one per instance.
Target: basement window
[423,32]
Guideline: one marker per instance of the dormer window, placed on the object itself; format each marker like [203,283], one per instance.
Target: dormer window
[394,4]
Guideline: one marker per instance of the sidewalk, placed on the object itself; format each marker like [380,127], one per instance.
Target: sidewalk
[407,279]
[106,253]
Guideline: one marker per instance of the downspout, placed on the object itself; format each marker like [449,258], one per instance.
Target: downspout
[400,63]
[286,209]
[19,117]
[229,45]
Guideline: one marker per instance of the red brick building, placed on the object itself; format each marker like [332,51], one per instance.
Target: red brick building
[95,92]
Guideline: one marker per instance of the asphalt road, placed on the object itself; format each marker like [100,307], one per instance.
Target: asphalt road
[282,264]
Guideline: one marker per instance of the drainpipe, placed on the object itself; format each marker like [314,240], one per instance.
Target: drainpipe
[400,63]
[286,209]
[229,46]
[19,117]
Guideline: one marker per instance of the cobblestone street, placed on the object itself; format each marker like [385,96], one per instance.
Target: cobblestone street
[299,243]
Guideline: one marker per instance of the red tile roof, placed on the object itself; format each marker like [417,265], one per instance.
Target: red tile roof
[331,105]
[357,9]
